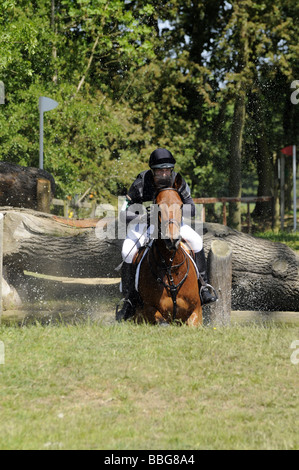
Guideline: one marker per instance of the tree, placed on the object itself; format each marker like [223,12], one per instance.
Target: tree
[245,46]
[98,45]
[204,79]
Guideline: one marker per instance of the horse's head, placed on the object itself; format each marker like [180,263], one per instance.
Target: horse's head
[170,214]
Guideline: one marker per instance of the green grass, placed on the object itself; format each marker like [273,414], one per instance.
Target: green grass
[290,239]
[133,387]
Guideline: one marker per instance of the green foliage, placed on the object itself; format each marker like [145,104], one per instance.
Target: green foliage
[131,76]
[89,139]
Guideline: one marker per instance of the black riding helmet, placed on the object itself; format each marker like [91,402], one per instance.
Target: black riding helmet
[162,163]
[161,158]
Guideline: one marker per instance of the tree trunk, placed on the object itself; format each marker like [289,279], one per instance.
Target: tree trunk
[265,172]
[235,178]
[242,34]
[264,162]
[18,185]
[276,202]
[37,242]
[264,274]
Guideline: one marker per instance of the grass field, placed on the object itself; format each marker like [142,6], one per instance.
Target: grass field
[91,386]
[290,239]
[100,385]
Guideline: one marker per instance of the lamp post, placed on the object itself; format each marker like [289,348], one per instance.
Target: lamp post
[45,104]
[2,93]
[289,150]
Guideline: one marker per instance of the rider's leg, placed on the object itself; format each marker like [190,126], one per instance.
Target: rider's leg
[195,241]
[205,294]
[132,243]
[129,293]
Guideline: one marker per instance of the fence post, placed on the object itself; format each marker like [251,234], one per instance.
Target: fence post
[248,218]
[220,276]
[93,208]
[43,195]
[224,221]
[66,209]
[1,262]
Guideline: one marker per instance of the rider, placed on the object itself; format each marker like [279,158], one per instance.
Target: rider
[161,174]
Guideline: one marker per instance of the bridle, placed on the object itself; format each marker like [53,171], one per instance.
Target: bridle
[167,269]
[170,221]
[163,189]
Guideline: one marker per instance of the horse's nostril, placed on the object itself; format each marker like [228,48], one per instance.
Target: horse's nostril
[172,245]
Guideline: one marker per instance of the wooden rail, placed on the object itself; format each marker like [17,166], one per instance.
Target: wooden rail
[44,200]
[79,205]
[67,204]
[225,200]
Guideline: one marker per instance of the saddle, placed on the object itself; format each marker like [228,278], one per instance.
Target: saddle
[139,255]
[185,245]
[137,260]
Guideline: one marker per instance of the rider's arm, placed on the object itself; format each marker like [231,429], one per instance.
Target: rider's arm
[124,212]
[127,213]
[185,194]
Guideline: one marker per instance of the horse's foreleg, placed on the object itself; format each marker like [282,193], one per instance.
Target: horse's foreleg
[195,318]
[159,318]
[152,315]
[149,314]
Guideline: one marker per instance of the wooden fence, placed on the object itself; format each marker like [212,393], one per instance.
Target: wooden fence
[44,201]
[68,204]
[225,200]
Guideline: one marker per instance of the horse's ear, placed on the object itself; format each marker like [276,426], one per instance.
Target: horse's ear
[178,182]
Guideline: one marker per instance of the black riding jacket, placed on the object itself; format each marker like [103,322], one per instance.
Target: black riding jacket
[143,190]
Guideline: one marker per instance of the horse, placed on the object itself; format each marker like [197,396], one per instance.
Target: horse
[168,283]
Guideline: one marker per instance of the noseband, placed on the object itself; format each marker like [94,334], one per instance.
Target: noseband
[163,189]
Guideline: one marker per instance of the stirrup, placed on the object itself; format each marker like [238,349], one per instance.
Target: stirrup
[122,314]
[208,286]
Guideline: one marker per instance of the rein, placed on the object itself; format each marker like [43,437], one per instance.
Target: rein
[168,269]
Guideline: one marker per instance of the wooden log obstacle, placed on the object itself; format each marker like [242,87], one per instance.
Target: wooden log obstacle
[220,274]
[25,187]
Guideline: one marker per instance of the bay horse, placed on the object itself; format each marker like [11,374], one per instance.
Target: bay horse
[168,284]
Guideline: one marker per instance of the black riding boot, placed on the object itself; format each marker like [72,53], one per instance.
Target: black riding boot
[129,292]
[205,294]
